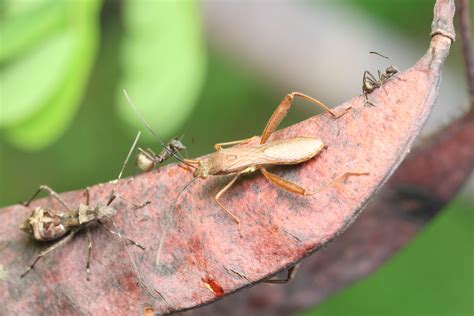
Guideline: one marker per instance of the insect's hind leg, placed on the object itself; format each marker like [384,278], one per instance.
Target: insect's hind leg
[135,205]
[45,252]
[51,192]
[282,183]
[283,109]
[290,276]
[340,180]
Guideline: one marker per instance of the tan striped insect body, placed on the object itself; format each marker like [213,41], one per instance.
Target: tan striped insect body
[239,160]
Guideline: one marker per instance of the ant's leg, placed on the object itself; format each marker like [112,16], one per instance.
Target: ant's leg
[369,76]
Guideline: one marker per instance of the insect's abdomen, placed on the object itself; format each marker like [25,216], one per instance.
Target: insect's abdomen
[292,150]
[44,224]
[286,151]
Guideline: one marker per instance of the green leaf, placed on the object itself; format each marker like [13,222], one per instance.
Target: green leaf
[164,62]
[26,23]
[47,125]
[28,82]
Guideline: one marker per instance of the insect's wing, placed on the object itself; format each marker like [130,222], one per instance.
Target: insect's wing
[291,150]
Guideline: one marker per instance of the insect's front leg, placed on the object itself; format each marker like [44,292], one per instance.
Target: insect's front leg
[88,196]
[222,191]
[89,251]
[290,276]
[51,192]
[43,253]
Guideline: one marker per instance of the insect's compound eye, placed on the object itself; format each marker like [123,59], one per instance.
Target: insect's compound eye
[144,163]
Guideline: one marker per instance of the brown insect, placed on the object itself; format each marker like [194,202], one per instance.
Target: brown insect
[239,160]
[370,83]
[45,224]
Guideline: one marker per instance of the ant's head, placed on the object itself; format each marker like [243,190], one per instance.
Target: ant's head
[391,70]
[202,170]
[177,145]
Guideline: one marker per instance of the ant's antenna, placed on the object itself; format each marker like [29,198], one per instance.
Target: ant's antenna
[376,53]
[151,130]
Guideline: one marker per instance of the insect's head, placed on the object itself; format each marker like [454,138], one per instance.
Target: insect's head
[144,161]
[35,221]
[177,145]
[202,170]
[391,70]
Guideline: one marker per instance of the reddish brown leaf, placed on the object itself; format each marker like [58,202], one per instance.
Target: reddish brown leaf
[204,256]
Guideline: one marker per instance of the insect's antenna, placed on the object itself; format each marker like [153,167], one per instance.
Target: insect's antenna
[129,154]
[112,193]
[165,228]
[130,102]
[376,53]
[135,268]
[182,190]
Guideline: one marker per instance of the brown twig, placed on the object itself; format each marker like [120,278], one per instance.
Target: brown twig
[466,44]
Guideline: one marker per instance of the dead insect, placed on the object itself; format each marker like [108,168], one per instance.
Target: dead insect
[240,160]
[46,224]
[370,83]
[147,159]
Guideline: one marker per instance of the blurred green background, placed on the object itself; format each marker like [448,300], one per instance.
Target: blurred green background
[64,122]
